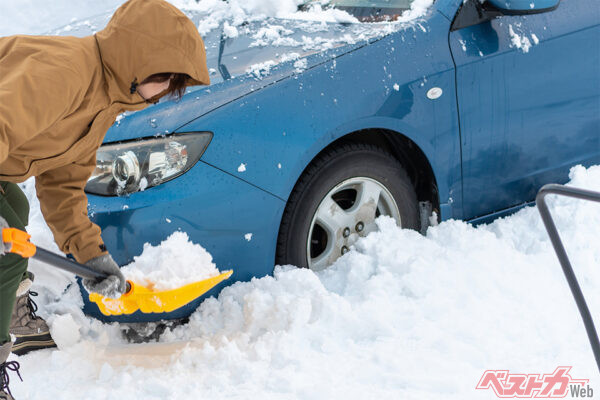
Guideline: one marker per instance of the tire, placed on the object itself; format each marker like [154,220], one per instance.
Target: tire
[335,176]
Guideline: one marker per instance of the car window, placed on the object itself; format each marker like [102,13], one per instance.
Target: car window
[365,10]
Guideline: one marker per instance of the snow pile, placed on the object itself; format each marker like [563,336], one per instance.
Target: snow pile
[400,316]
[172,264]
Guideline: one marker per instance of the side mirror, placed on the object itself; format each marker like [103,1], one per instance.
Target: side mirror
[519,7]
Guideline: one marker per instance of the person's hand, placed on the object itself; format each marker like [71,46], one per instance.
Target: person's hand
[4,248]
[114,285]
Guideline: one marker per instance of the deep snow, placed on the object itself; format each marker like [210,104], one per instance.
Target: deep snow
[400,316]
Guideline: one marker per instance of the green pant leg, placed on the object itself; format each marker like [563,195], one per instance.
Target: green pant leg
[14,208]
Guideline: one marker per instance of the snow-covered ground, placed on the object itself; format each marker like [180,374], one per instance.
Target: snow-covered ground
[401,316]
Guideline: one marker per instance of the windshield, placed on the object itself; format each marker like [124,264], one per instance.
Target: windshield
[365,10]
[404,4]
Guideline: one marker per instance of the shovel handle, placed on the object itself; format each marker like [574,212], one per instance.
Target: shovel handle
[19,243]
[68,265]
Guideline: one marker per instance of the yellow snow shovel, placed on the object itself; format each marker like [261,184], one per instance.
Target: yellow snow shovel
[137,297]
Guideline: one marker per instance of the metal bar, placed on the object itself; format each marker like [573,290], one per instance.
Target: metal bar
[564,259]
[68,265]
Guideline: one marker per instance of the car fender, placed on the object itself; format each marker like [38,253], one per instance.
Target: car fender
[268,137]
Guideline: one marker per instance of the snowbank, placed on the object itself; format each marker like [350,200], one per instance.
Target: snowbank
[400,316]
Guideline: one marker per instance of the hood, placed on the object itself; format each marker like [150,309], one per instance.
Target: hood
[146,37]
[259,47]
[262,53]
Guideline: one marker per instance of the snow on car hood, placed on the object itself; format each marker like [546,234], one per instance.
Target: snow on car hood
[248,56]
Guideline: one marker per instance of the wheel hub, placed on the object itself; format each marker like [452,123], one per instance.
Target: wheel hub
[345,214]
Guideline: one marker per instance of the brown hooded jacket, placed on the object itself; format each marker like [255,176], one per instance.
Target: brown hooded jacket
[59,96]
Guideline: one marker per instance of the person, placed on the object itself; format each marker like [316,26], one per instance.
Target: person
[58,97]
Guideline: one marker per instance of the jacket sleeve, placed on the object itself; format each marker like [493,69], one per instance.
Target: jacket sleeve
[64,206]
[33,96]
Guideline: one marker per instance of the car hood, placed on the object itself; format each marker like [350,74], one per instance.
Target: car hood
[241,60]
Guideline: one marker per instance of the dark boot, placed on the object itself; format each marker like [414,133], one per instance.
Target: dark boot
[6,366]
[30,331]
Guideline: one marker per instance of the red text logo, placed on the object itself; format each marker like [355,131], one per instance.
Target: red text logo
[535,386]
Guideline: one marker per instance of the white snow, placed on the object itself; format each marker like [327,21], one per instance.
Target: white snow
[400,316]
[248,236]
[520,41]
[230,31]
[272,35]
[119,118]
[242,167]
[174,263]
[65,331]
[289,57]
[301,65]
[261,69]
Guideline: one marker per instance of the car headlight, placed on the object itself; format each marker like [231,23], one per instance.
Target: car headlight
[123,168]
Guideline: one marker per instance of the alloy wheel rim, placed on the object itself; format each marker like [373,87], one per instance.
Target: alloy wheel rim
[346,213]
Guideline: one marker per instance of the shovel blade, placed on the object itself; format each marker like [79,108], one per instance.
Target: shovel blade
[155,301]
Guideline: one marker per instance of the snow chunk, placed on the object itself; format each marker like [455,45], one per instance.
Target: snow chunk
[174,263]
[316,12]
[273,35]
[289,57]
[248,236]
[518,41]
[119,118]
[65,331]
[260,70]
[230,31]
[242,167]
[301,65]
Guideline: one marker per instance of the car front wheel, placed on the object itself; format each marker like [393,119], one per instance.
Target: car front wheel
[337,200]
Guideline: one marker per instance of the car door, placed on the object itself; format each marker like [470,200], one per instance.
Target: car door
[528,90]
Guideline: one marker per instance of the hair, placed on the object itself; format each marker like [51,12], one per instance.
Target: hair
[176,86]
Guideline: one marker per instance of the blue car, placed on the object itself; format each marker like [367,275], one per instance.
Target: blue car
[306,136]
